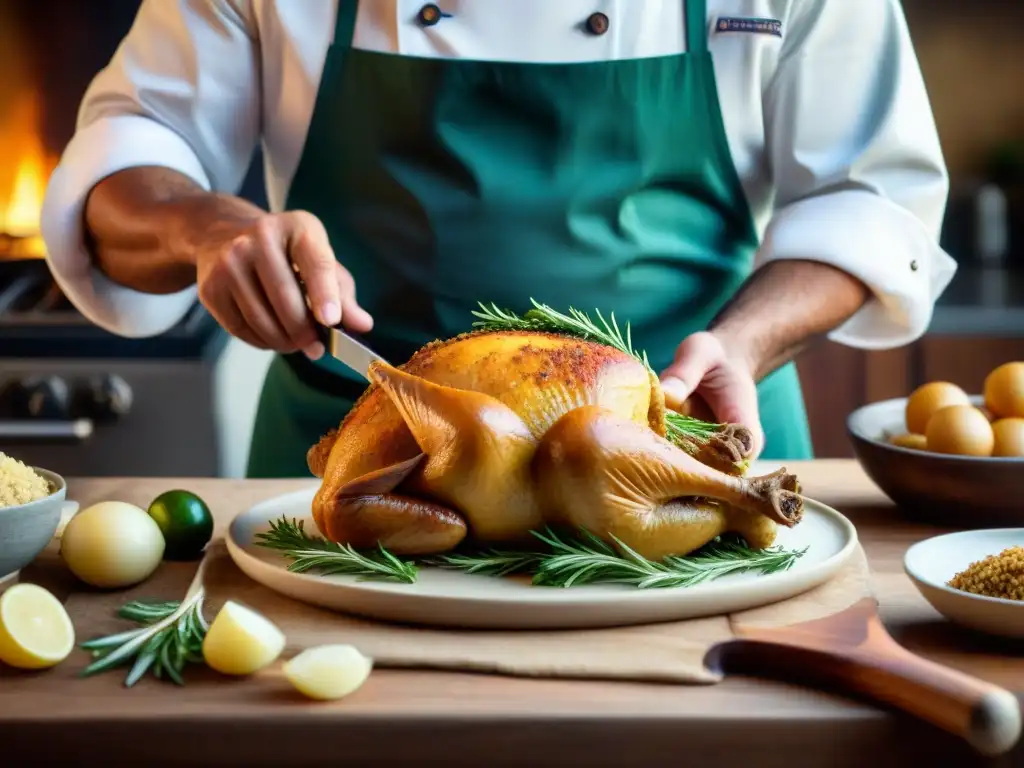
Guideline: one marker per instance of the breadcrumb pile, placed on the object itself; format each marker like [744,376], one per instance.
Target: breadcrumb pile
[19,484]
[999,575]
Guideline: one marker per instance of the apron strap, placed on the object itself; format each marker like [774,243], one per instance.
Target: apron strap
[345,22]
[696,12]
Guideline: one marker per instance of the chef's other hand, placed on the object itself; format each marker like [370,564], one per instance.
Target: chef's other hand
[246,281]
[705,369]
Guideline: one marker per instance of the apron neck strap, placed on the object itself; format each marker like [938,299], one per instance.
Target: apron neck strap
[345,22]
[696,12]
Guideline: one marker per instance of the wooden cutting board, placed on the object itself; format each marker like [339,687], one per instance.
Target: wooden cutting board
[829,637]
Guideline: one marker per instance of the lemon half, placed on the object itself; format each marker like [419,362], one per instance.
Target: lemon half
[35,629]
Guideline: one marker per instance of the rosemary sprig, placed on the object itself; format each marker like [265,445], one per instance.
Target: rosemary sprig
[575,323]
[681,427]
[488,562]
[171,638]
[313,553]
[563,561]
[587,559]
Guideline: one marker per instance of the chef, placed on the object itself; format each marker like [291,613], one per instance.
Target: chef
[734,178]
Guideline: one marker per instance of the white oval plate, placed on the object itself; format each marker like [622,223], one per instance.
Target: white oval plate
[454,599]
[933,562]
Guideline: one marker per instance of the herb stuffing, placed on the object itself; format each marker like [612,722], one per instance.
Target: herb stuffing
[1000,575]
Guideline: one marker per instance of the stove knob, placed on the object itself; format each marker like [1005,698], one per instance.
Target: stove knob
[102,398]
[36,397]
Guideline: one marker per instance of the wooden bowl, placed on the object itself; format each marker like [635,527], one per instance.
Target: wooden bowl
[961,491]
[26,529]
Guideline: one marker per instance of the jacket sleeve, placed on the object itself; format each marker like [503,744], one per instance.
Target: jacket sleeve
[860,179]
[182,92]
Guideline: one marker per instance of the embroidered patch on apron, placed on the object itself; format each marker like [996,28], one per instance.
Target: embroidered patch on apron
[751,26]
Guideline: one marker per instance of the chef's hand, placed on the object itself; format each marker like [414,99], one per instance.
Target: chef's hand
[705,370]
[246,281]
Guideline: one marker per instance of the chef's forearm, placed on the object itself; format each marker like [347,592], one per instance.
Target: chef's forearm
[141,222]
[782,307]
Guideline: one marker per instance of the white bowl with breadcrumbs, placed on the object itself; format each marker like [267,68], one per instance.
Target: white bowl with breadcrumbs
[26,529]
[932,563]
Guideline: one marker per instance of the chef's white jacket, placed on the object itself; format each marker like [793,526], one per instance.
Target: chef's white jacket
[829,125]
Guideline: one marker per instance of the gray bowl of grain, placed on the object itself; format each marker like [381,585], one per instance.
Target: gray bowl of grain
[26,528]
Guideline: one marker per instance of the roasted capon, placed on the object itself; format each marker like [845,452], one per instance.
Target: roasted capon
[494,433]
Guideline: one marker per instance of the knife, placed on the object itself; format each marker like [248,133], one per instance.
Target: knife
[343,346]
[346,348]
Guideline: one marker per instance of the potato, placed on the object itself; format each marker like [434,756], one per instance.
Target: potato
[1009,438]
[929,398]
[112,544]
[1004,391]
[241,641]
[328,671]
[962,430]
[908,440]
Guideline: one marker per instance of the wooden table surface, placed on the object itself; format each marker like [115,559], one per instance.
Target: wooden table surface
[426,718]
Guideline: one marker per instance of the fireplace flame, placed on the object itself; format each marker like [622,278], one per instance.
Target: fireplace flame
[25,167]
[25,201]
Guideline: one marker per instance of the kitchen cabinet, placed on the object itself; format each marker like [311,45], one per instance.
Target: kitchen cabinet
[838,379]
[965,360]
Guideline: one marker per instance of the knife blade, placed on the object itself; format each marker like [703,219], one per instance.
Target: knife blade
[347,349]
[343,346]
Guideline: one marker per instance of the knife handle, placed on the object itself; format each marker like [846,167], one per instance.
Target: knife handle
[323,333]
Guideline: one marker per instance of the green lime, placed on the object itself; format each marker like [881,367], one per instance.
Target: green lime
[185,521]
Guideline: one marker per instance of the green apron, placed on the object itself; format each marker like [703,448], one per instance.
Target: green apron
[442,183]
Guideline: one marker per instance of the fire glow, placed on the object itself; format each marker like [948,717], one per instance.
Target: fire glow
[25,162]
[25,167]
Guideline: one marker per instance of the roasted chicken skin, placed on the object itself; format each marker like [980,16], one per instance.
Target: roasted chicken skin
[493,434]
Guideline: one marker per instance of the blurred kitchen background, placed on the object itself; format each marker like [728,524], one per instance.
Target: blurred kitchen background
[83,402]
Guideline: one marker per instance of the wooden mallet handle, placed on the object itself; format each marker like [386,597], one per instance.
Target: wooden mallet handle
[866,660]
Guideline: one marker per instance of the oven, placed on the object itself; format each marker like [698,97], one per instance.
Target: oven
[81,401]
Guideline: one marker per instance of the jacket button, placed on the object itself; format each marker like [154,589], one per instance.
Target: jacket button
[913,266]
[597,23]
[429,15]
